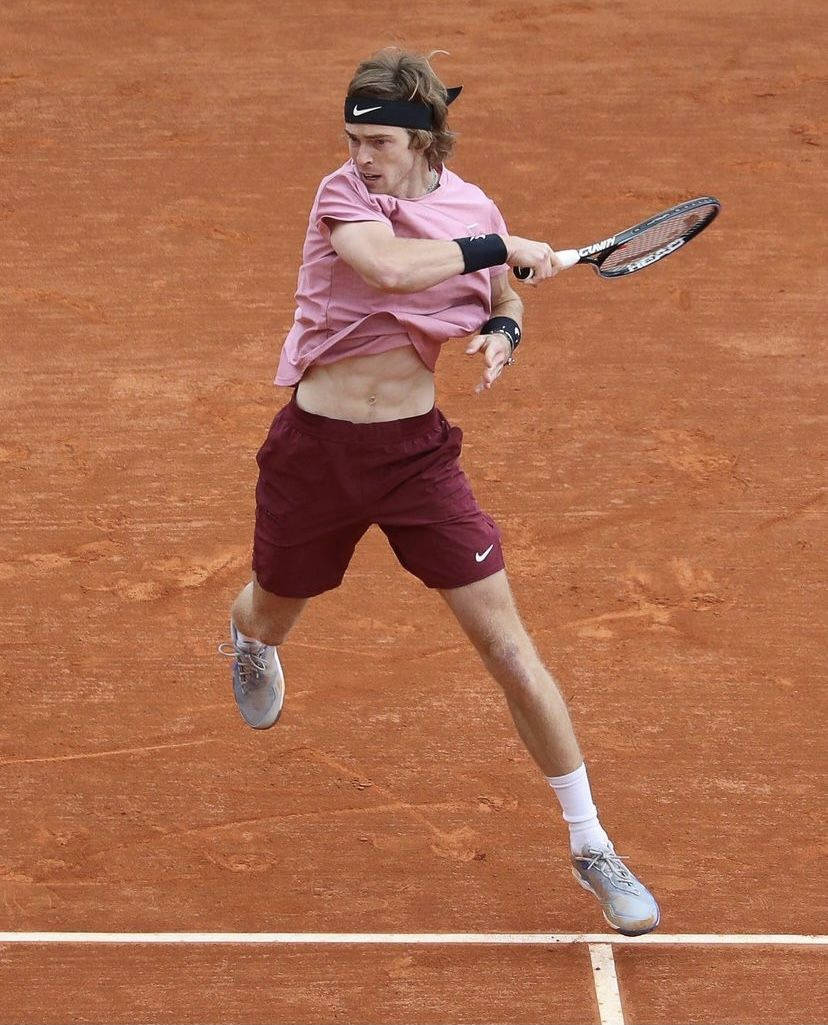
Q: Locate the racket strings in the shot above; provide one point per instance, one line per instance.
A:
(652, 239)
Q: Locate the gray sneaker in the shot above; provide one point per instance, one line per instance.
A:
(258, 682)
(628, 906)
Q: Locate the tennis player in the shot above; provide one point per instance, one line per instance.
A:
(400, 256)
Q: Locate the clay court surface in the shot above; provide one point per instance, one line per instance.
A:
(654, 461)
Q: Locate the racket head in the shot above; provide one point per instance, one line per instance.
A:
(650, 241)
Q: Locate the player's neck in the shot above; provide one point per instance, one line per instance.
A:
(421, 182)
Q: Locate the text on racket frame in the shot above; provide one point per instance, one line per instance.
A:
(597, 247)
(649, 258)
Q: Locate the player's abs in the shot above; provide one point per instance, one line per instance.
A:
(366, 389)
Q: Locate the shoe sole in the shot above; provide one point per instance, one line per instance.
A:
(624, 932)
(266, 724)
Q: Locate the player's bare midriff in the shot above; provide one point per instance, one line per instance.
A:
(367, 389)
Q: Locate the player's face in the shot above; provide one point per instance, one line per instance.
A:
(385, 160)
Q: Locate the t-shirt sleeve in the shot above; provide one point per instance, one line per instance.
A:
(339, 199)
(498, 227)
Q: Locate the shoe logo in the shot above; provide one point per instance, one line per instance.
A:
(365, 110)
(480, 556)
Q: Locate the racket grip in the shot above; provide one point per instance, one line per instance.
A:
(565, 257)
(568, 257)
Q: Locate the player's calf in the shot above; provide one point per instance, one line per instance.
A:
(268, 617)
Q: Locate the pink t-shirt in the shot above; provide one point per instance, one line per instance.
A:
(338, 314)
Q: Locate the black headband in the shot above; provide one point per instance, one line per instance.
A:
(374, 110)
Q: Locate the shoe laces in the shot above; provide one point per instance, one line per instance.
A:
(252, 664)
(611, 865)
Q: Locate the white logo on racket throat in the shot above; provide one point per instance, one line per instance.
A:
(597, 247)
(481, 556)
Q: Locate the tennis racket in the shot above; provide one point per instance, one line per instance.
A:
(643, 244)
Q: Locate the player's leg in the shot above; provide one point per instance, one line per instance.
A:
(439, 533)
(261, 618)
(259, 621)
(487, 613)
(266, 617)
(303, 540)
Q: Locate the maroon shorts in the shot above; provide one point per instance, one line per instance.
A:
(323, 483)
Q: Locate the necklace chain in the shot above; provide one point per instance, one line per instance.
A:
(435, 181)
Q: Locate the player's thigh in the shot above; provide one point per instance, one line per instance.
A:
(487, 613)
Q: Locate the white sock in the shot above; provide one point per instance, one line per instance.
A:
(579, 813)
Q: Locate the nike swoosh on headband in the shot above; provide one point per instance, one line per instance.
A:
(404, 113)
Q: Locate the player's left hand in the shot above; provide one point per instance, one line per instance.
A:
(496, 353)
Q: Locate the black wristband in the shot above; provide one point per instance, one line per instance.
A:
(482, 251)
(507, 326)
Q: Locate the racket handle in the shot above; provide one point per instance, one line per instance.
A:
(568, 257)
(565, 257)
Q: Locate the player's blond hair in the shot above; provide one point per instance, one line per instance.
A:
(395, 74)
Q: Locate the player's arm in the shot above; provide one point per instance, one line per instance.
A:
(393, 264)
(505, 300)
(496, 346)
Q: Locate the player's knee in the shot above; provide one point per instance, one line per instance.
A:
(510, 661)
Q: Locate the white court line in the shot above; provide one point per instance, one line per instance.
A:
(600, 946)
(403, 938)
(605, 980)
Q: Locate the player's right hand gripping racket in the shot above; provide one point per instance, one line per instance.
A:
(643, 244)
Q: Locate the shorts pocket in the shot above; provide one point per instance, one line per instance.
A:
(295, 472)
(440, 466)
